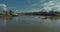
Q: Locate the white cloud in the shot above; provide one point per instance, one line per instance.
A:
(53, 5)
(23, 11)
(3, 6)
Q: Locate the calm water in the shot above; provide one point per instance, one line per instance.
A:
(29, 24)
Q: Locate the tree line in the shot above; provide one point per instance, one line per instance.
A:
(42, 13)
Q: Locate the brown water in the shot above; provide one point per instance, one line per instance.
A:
(29, 24)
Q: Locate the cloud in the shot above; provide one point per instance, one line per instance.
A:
(39, 3)
(51, 5)
(36, 7)
(3, 6)
(27, 10)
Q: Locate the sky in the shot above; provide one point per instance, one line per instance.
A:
(31, 5)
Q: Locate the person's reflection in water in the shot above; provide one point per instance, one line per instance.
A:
(5, 20)
(9, 18)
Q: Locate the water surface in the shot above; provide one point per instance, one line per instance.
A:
(29, 24)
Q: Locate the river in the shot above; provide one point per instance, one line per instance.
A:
(29, 24)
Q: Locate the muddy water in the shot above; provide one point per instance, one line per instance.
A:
(29, 24)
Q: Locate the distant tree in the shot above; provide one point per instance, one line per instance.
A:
(51, 12)
(57, 12)
(11, 12)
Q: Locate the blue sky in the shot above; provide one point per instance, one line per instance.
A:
(29, 5)
(22, 5)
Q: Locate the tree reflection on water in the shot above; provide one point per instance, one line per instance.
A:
(6, 19)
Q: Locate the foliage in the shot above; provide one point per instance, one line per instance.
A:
(11, 12)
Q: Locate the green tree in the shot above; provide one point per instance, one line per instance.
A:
(11, 12)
